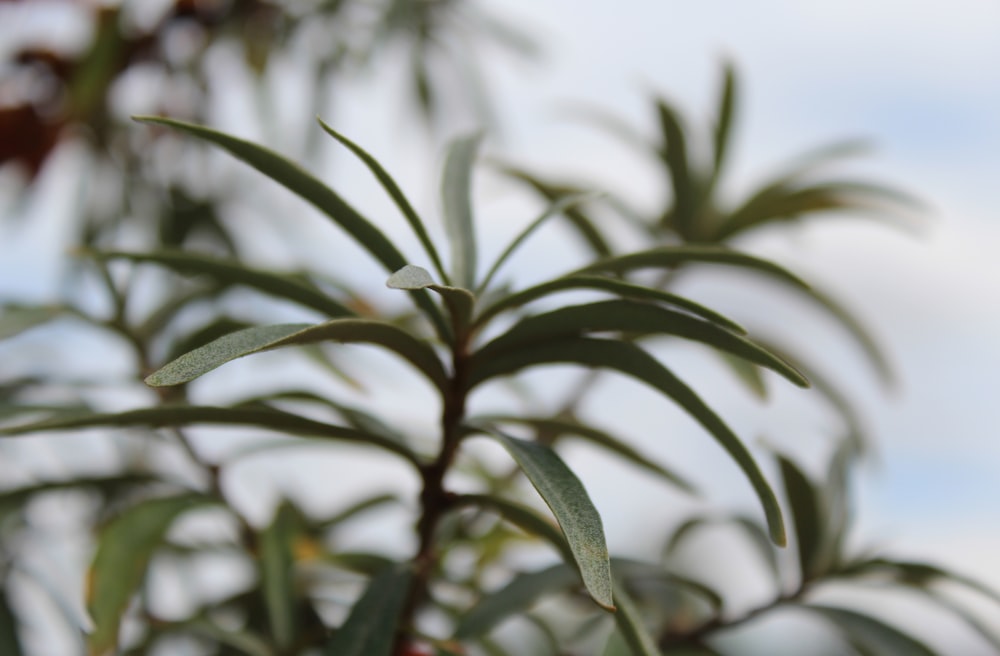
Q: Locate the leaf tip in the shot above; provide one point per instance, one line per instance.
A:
(410, 277)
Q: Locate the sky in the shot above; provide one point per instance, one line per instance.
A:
(921, 81)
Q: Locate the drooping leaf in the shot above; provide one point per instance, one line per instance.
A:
(262, 338)
(808, 517)
(754, 532)
(124, 550)
(304, 185)
(516, 597)
(262, 418)
(594, 436)
(669, 257)
(391, 188)
(108, 486)
(231, 272)
(612, 285)
(566, 497)
(460, 301)
(634, 317)
(370, 629)
(277, 574)
(631, 360)
(630, 624)
(355, 509)
(554, 209)
(871, 635)
(456, 192)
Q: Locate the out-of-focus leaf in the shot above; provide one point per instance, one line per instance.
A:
(304, 185)
(244, 641)
(630, 625)
(109, 486)
(750, 374)
(669, 257)
(870, 635)
(524, 517)
(642, 573)
(724, 122)
(284, 286)
(10, 640)
(754, 532)
(262, 418)
(566, 497)
(919, 574)
(262, 338)
(124, 550)
(460, 301)
(807, 516)
(633, 317)
(554, 209)
(613, 285)
(391, 188)
(370, 629)
(594, 436)
(683, 214)
(277, 567)
(631, 360)
(16, 319)
(456, 192)
(516, 597)
(360, 562)
(355, 509)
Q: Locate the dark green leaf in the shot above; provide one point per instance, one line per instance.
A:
(633, 361)
(683, 214)
(566, 497)
(456, 192)
(613, 285)
(232, 272)
(10, 640)
(261, 338)
(304, 185)
(594, 436)
(807, 516)
(370, 629)
(750, 374)
(396, 194)
(277, 566)
(124, 550)
(633, 317)
(871, 635)
(724, 121)
(630, 625)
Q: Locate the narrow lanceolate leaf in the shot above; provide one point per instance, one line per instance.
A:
(869, 635)
(554, 209)
(753, 531)
(277, 568)
(15, 320)
(456, 194)
(262, 338)
(231, 272)
(633, 317)
(669, 257)
(518, 596)
(611, 285)
(524, 517)
(460, 301)
(391, 188)
(724, 121)
(594, 436)
(10, 640)
(630, 625)
(631, 360)
(262, 418)
(124, 550)
(370, 629)
(566, 497)
(298, 181)
(808, 518)
(674, 154)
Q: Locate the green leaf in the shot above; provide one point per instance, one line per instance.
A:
(460, 301)
(277, 566)
(669, 257)
(683, 213)
(370, 629)
(633, 317)
(355, 509)
(232, 272)
(601, 438)
(516, 597)
(630, 625)
(10, 640)
(566, 497)
(244, 641)
(124, 550)
(456, 191)
(870, 635)
(554, 209)
(522, 516)
(261, 418)
(391, 188)
(631, 360)
(751, 375)
(724, 122)
(807, 516)
(110, 487)
(613, 285)
(16, 319)
(754, 532)
(298, 181)
(262, 338)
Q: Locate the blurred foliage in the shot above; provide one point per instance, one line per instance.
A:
(303, 588)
